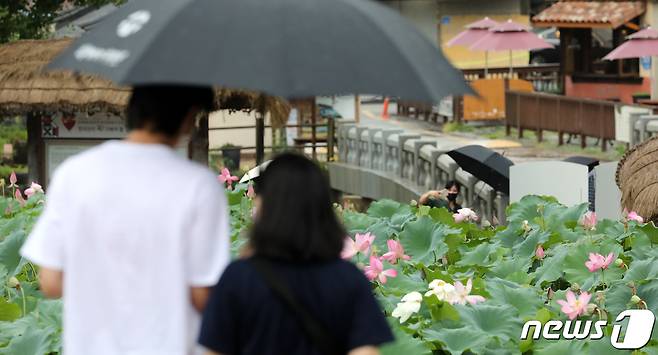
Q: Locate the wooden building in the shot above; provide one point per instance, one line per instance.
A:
(588, 30)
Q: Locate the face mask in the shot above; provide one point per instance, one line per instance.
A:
(452, 197)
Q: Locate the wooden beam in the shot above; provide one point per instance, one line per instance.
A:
(198, 145)
(36, 164)
(572, 25)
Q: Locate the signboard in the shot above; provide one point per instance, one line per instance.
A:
(101, 125)
(58, 151)
(607, 198)
(565, 181)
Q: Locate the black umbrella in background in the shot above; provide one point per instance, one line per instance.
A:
(484, 164)
(591, 163)
(288, 48)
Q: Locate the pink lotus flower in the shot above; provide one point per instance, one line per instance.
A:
(13, 180)
(226, 178)
(19, 198)
(465, 215)
(461, 294)
(361, 244)
(539, 253)
(633, 216)
(395, 252)
(250, 191)
(598, 261)
(573, 307)
(376, 270)
(33, 189)
(589, 220)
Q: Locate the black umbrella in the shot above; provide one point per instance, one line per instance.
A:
(484, 164)
(590, 162)
(288, 48)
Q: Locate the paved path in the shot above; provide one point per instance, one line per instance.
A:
(371, 115)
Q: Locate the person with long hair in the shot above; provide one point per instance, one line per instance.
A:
(294, 294)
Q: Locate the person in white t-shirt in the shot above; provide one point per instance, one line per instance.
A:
(133, 235)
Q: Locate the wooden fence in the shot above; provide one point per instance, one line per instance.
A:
(575, 116)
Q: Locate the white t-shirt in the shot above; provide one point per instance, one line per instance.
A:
(133, 227)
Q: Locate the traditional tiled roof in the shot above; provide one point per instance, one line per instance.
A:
(608, 14)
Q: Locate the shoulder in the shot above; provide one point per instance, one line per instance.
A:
(237, 269)
(346, 273)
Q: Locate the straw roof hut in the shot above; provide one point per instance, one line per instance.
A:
(25, 88)
(637, 178)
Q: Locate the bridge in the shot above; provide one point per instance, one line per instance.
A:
(378, 163)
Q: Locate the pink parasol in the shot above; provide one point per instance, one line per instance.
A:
(473, 33)
(640, 44)
(510, 36)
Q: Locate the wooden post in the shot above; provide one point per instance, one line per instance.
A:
(260, 137)
(198, 145)
(313, 122)
(357, 108)
(560, 139)
(36, 165)
(330, 138)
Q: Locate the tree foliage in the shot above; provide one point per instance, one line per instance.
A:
(31, 19)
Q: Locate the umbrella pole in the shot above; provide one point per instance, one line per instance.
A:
(486, 64)
(511, 70)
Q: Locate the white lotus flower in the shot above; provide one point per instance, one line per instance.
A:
(442, 290)
(409, 305)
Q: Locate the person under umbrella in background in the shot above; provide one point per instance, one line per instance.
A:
(294, 295)
(133, 234)
(446, 198)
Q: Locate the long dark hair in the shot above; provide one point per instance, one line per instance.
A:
(296, 221)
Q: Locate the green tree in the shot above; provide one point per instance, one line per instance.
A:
(30, 19)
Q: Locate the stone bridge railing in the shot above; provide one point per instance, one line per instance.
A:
(391, 163)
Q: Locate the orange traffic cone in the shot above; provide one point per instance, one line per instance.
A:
(385, 111)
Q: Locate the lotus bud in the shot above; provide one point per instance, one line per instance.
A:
(600, 297)
(619, 263)
(591, 308)
(539, 252)
(413, 203)
(575, 287)
(13, 282)
(631, 284)
(635, 299)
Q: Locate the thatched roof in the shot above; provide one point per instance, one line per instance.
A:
(24, 87)
(637, 178)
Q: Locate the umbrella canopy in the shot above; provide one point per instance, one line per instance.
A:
(643, 43)
(484, 164)
(591, 163)
(473, 33)
(510, 36)
(287, 48)
(254, 172)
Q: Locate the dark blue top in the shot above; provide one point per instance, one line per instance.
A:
(244, 317)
